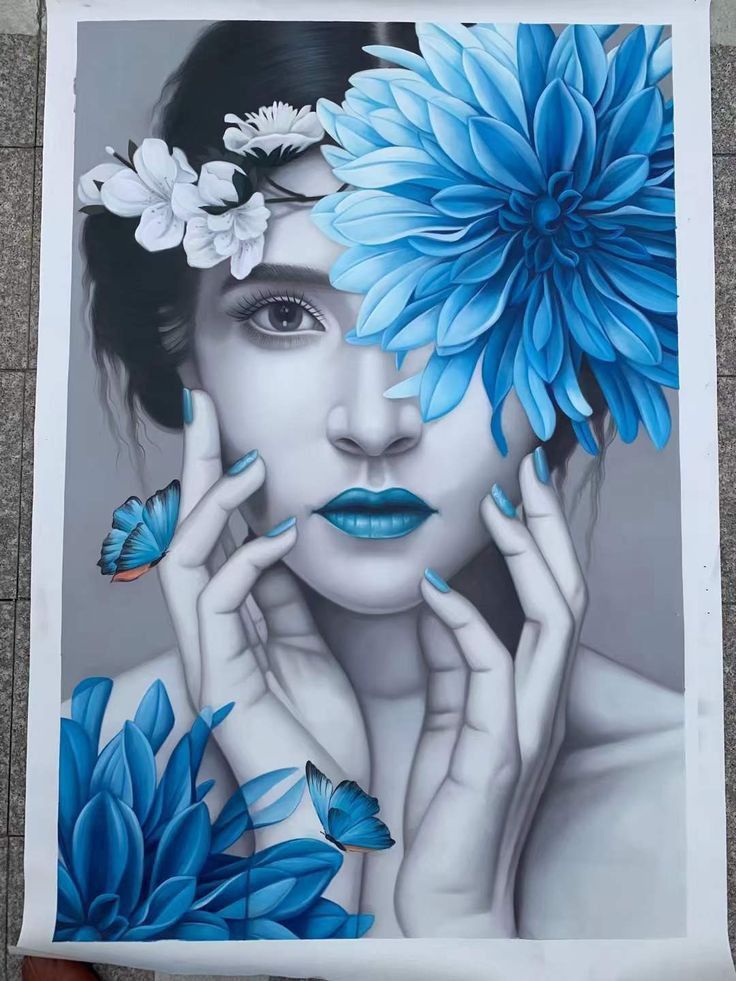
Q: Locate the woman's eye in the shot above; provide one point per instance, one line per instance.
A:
(284, 317)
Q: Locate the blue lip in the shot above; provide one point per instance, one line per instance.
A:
(362, 513)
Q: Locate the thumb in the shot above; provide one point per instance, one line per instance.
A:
(282, 605)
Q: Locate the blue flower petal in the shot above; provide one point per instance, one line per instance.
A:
(578, 58)
(621, 180)
(184, 845)
(635, 127)
(76, 762)
(468, 200)
(534, 397)
(155, 717)
(108, 851)
(534, 47)
(417, 325)
(652, 406)
(558, 129)
(167, 904)
(443, 54)
(618, 396)
(505, 156)
(390, 166)
(473, 309)
(405, 389)
(496, 88)
(627, 72)
(388, 297)
(198, 926)
(405, 59)
(103, 911)
(69, 905)
(89, 701)
(392, 125)
(445, 381)
(261, 929)
(651, 288)
(660, 63)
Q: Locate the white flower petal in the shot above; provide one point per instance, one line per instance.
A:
(225, 243)
(221, 223)
(310, 127)
(159, 228)
(250, 219)
(216, 182)
(247, 257)
(186, 174)
(156, 167)
(186, 201)
(235, 140)
(87, 190)
(198, 244)
(126, 195)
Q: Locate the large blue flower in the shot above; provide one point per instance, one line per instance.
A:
(141, 859)
(511, 198)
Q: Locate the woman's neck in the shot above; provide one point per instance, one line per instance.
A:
(381, 653)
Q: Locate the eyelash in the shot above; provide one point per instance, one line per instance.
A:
(247, 307)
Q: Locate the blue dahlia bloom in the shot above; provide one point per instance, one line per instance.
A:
(140, 857)
(511, 200)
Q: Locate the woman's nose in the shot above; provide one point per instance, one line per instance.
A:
(364, 422)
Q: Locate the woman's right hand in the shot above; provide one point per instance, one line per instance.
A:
(293, 701)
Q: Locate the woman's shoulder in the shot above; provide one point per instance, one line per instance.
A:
(610, 703)
(131, 685)
(606, 856)
(128, 689)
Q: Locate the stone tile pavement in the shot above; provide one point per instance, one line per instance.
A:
(21, 138)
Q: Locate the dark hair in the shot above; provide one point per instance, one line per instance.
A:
(141, 302)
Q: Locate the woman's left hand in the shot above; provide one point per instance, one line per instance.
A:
(493, 726)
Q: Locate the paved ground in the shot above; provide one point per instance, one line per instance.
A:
(21, 139)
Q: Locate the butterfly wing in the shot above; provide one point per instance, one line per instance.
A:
(124, 520)
(160, 514)
(367, 834)
(352, 821)
(320, 790)
(140, 548)
(128, 515)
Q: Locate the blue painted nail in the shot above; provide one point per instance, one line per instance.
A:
(243, 463)
(540, 465)
(186, 405)
(503, 504)
(435, 580)
(281, 527)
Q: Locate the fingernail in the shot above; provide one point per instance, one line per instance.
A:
(281, 527)
(540, 465)
(243, 463)
(186, 406)
(435, 580)
(503, 504)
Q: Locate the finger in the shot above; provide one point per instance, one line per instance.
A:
(547, 637)
(488, 732)
(225, 648)
(200, 531)
(304, 672)
(547, 523)
(202, 463)
(445, 704)
(485, 764)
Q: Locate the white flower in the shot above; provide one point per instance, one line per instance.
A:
(88, 190)
(157, 190)
(237, 234)
(278, 131)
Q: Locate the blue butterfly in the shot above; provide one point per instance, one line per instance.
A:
(141, 534)
(347, 814)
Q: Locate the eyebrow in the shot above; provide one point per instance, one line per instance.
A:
(268, 272)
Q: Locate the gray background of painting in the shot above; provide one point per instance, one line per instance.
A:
(22, 77)
(634, 574)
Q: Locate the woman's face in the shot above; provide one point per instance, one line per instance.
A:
(270, 351)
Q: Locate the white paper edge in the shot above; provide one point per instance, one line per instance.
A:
(704, 952)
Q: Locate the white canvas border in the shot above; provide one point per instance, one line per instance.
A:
(704, 952)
